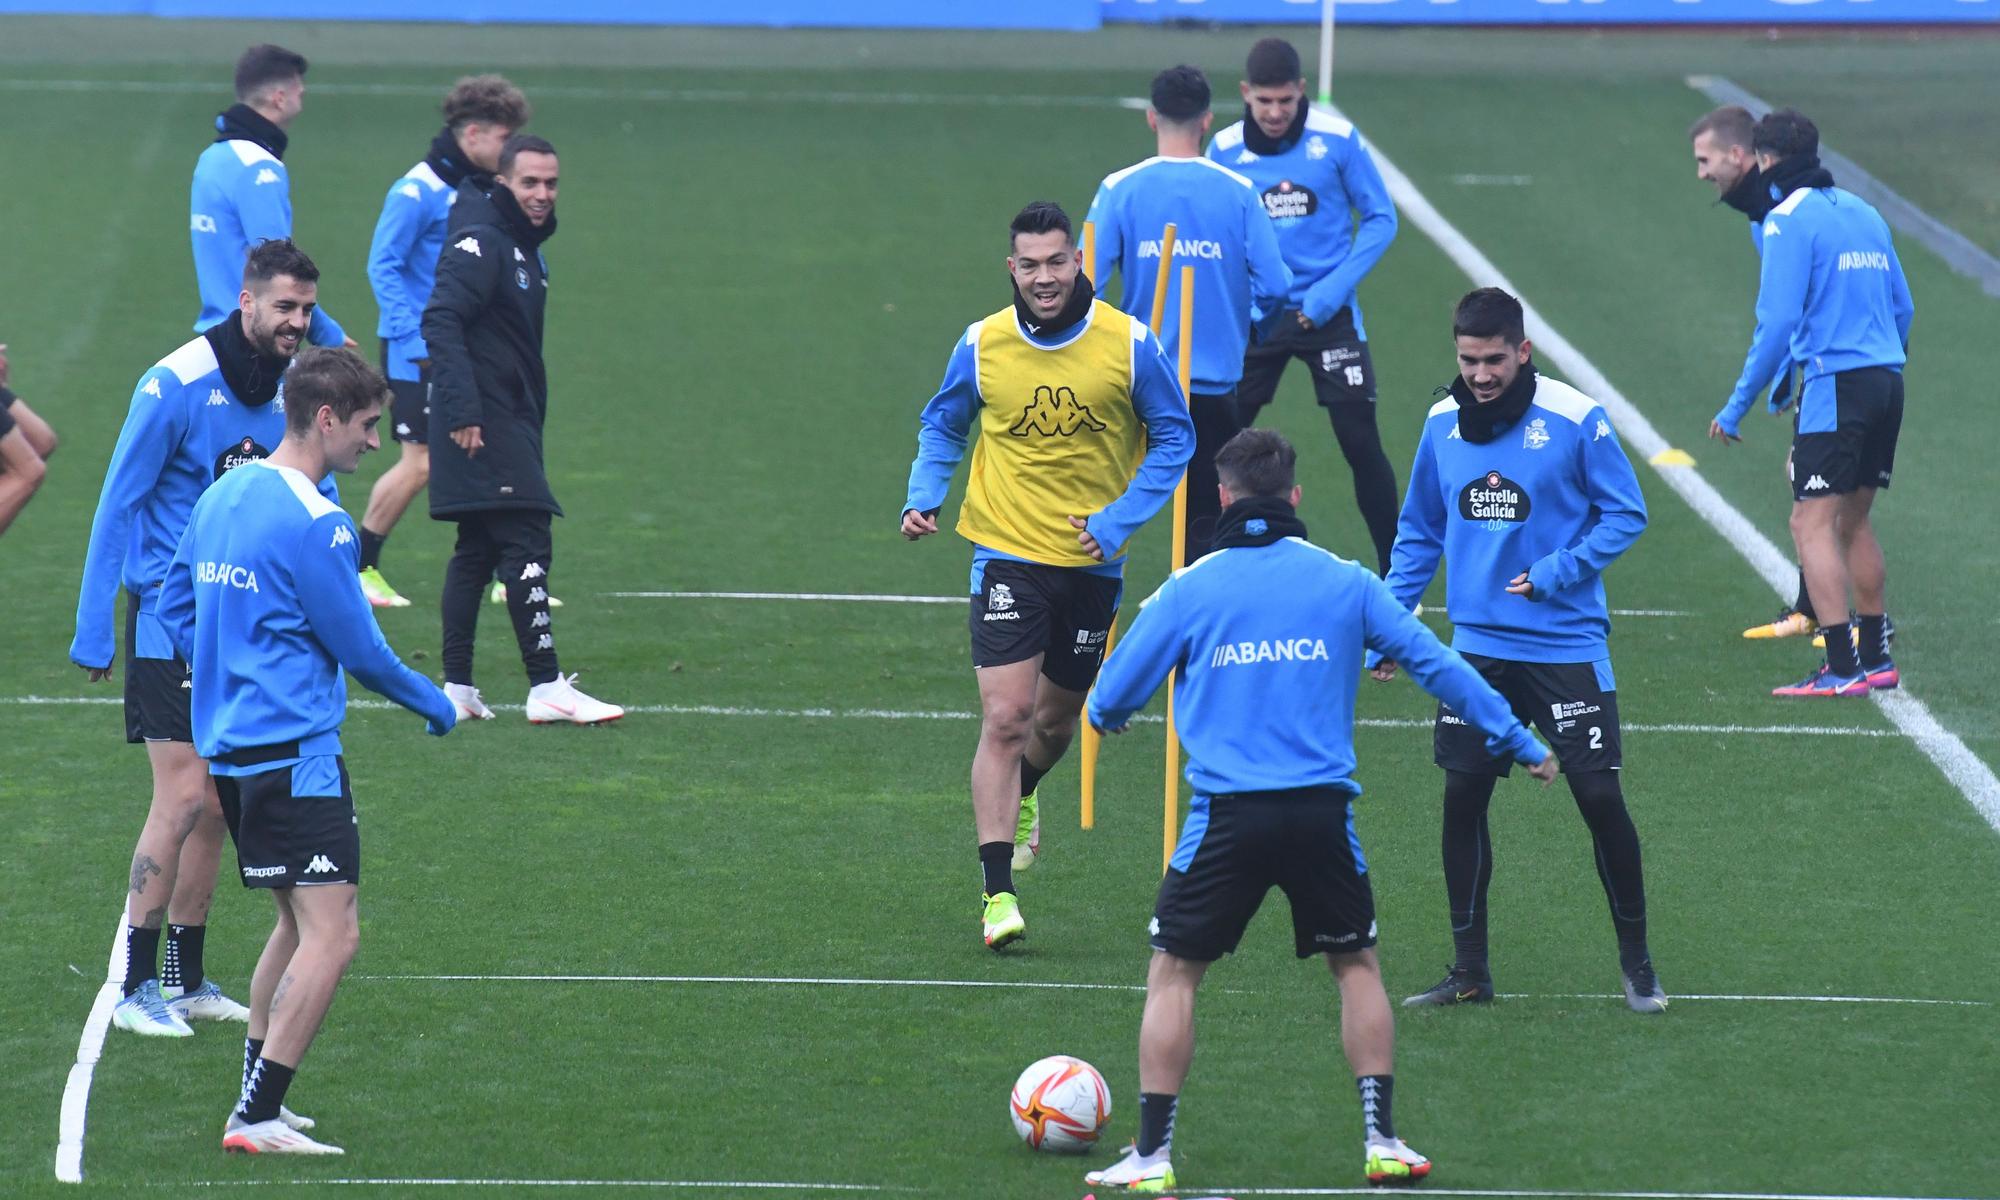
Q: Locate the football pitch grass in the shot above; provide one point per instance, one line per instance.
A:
(759, 890)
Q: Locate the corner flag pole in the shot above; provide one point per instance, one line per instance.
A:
(1172, 801)
(1087, 808)
(1326, 51)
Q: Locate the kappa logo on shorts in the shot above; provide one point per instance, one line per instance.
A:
(1817, 483)
(262, 872)
(1328, 939)
(1055, 412)
(320, 865)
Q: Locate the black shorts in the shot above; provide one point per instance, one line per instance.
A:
(409, 404)
(6, 415)
(1860, 451)
(1342, 370)
(159, 692)
(293, 826)
(1574, 706)
(1061, 613)
(1234, 849)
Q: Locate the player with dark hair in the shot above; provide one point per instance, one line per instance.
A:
(1334, 221)
(1267, 635)
(1521, 489)
(480, 113)
(264, 599)
(1221, 231)
(209, 407)
(26, 441)
(489, 392)
(1831, 296)
(241, 193)
(1083, 434)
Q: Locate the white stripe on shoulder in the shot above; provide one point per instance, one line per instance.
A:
(316, 505)
(1139, 329)
(972, 333)
(1212, 165)
(1563, 400)
(1785, 207)
(1448, 404)
(1345, 562)
(1229, 138)
(1117, 177)
(191, 361)
(1325, 122)
(250, 153)
(424, 171)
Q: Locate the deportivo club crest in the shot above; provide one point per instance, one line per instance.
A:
(1536, 435)
(1315, 147)
(1000, 599)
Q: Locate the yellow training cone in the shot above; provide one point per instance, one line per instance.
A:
(1672, 457)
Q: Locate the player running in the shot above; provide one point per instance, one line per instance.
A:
(263, 597)
(1521, 490)
(1267, 634)
(1084, 434)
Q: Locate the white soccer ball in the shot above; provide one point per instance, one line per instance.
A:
(1060, 1104)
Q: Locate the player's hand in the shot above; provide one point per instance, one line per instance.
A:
(98, 674)
(1546, 770)
(1084, 539)
(1716, 431)
(468, 440)
(1111, 732)
(348, 343)
(1384, 671)
(436, 730)
(1305, 322)
(919, 524)
(1519, 586)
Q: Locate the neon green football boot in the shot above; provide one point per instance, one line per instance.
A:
(378, 591)
(1028, 833)
(1002, 921)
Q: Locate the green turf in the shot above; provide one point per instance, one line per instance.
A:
(753, 294)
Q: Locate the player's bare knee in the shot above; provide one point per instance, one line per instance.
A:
(1354, 965)
(1006, 725)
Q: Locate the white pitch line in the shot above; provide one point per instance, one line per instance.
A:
(1752, 999)
(89, 1048)
(1578, 1193)
(1965, 770)
(886, 598)
(935, 714)
(702, 1184)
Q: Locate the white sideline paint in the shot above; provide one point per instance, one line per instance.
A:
(1539, 1193)
(1551, 1193)
(1965, 771)
(89, 1048)
(920, 714)
(878, 598)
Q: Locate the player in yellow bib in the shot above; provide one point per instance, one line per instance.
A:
(1083, 435)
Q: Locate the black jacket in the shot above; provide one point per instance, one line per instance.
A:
(483, 327)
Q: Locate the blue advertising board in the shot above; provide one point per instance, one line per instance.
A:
(824, 14)
(1563, 12)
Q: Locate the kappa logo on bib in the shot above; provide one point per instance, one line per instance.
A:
(1056, 412)
(1494, 500)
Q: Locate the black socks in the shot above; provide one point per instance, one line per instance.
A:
(265, 1093)
(1803, 604)
(1840, 649)
(1874, 648)
(1156, 1123)
(1031, 777)
(142, 956)
(183, 967)
(371, 548)
(1377, 1121)
(996, 859)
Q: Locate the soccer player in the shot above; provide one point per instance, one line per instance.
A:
(1334, 221)
(1831, 295)
(1521, 489)
(1723, 158)
(263, 597)
(1267, 634)
(1083, 434)
(26, 441)
(202, 411)
(489, 391)
(1221, 231)
(241, 193)
(480, 113)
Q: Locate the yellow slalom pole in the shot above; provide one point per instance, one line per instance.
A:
(1172, 802)
(1089, 268)
(1087, 771)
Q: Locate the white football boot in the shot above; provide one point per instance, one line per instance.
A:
(206, 1003)
(290, 1118)
(559, 700)
(470, 706)
(272, 1137)
(146, 1012)
(1135, 1173)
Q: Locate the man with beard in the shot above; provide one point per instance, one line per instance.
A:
(1521, 488)
(241, 193)
(1084, 433)
(480, 113)
(1831, 297)
(263, 598)
(489, 392)
(1334, 221)
(207, 408)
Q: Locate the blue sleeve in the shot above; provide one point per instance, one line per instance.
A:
(1392, 632)
(1413, 560)
(1613, 489)
(1781, 300)
(1157, 398)
(1899, 297)
(327, 572)
(154, 426)
(175, 607)
(396, 232)
(1370, 199)
(265, 210)
(1270, 278)
(1139, 663)
(944, 427)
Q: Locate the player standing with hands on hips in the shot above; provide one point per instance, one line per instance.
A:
(1267, 634)
(264, 600)
(489, 393)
